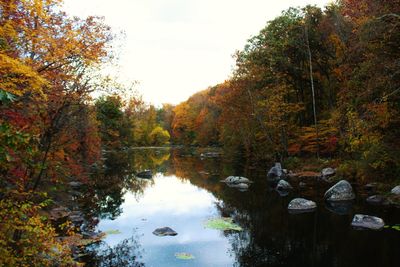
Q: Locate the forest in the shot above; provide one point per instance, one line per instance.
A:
(314, 83)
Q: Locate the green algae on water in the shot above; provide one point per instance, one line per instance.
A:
(184, 256)
(222, 224)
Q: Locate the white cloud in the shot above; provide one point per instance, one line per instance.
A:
(177, 47)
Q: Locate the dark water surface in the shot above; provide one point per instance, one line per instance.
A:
(186, 191)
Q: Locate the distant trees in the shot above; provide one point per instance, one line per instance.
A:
(128, 123)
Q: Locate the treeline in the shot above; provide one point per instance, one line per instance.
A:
(312, 82)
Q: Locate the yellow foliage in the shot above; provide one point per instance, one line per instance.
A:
(17, 78)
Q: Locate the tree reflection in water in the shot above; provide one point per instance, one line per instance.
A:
(127, 253)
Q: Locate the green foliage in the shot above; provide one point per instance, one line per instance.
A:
(26, 237)
(159, 136)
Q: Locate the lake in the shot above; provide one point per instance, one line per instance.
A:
(186, 191)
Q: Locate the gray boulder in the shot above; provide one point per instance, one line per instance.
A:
(236, 180)
(327, 172)
(276, 171)
(396, 190)
(341, 191)
(367, 222)
(283, 186)
(300, 205)
(164, 231)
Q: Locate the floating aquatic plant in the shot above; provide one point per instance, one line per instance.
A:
(394, 227)
(112, 232)
(222, 224)
(184, 256)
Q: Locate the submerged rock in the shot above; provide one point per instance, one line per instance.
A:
(341, 191)
(147, 174)
(164, 231)
(275, 172)
(327, 172)
(396, 190)
(376, 199)
(367, 222)
(283, 186)
(300, 205)
(236, 180)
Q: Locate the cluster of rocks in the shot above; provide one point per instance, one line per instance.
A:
(392, 198)
(338, 198)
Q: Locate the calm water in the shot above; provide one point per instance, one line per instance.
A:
(186, 191)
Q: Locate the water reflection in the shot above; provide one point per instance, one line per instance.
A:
(125, 253)
(186, 190)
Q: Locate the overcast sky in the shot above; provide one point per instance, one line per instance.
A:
(175, 48)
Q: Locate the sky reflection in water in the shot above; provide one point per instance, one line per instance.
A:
(183, 207)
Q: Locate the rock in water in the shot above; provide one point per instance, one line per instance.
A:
(236, 180)
(376, 199)
(300, 205)
(341, 191)
(327, 172)
(396, 190)
(367, 222)
(164, 231)
(145, 174)
(302, 184)
(283, 186)
(276, 171)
